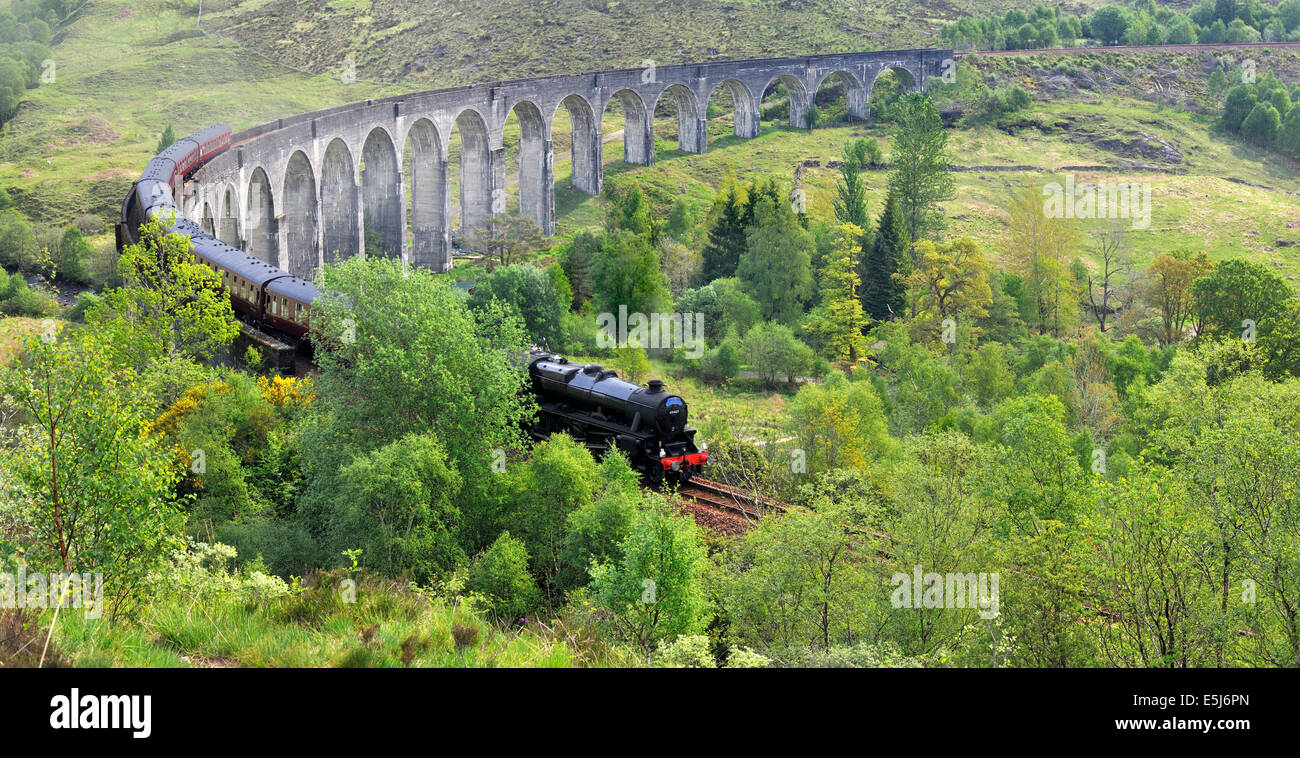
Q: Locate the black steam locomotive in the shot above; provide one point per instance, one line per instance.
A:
(601, 411)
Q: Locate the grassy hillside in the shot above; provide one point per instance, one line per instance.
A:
(124, 74)
(462, 42)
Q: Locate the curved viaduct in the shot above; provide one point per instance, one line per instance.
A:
(306, 190)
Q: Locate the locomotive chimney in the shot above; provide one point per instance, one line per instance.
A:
(656, 385)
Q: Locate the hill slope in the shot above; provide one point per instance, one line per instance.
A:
(468, 41)
(124, 74)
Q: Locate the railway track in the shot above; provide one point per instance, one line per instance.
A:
(724, 509)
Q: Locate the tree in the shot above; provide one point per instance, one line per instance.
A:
(772, 350)
(681, 221)
(399, 352)
(1289, 138)
(883, 294)
(920, 176)
(93, 483)
(398, 504)
(1237, 106)
(939, 515)
(579, 264)
(1182, 32)
(1235, 291)
(627, 273)
(1225, 10)
(839, 321)
(168, 306)
(508, 237)
(68, 257)
(500, 575)
(987, 374)
(655, 592)
(776, 267)
(1239, 33)
(1169, 289)
(1108, 24)
(951, 279)
(631, 212)
(797, 581)
(839, 424)
(1262, 125)
(1038, 476)
(850, 201)
(1280, 347)
(1041, 247)
(1112, 248)
(593, 534)
(18, 247)
(531, 293)
(1144, 538)
(679, 263)
(726, 237)
(559, 479)
(1043, 600)
(166, 139)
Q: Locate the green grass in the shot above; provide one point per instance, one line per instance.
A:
(388, 626)
(15, 331)
(123, 73)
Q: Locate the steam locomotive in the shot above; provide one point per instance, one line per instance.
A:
(603, 412)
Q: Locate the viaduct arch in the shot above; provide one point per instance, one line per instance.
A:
(314, 188)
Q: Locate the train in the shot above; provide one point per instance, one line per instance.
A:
(590, 403)
(262, 295)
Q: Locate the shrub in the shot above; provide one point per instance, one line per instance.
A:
(89, 223)
(25, 301)
(500, 576)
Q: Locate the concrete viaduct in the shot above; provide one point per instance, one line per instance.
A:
(306, 190)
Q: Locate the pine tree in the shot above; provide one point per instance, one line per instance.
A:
(726, 241)
(578, 263)
(850, 193)
(757, 191)
(166, 140)
(883, 296)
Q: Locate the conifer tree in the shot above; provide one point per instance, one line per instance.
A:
(883, 295)
(726, 241)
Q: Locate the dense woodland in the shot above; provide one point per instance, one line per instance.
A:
(1140, 22)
